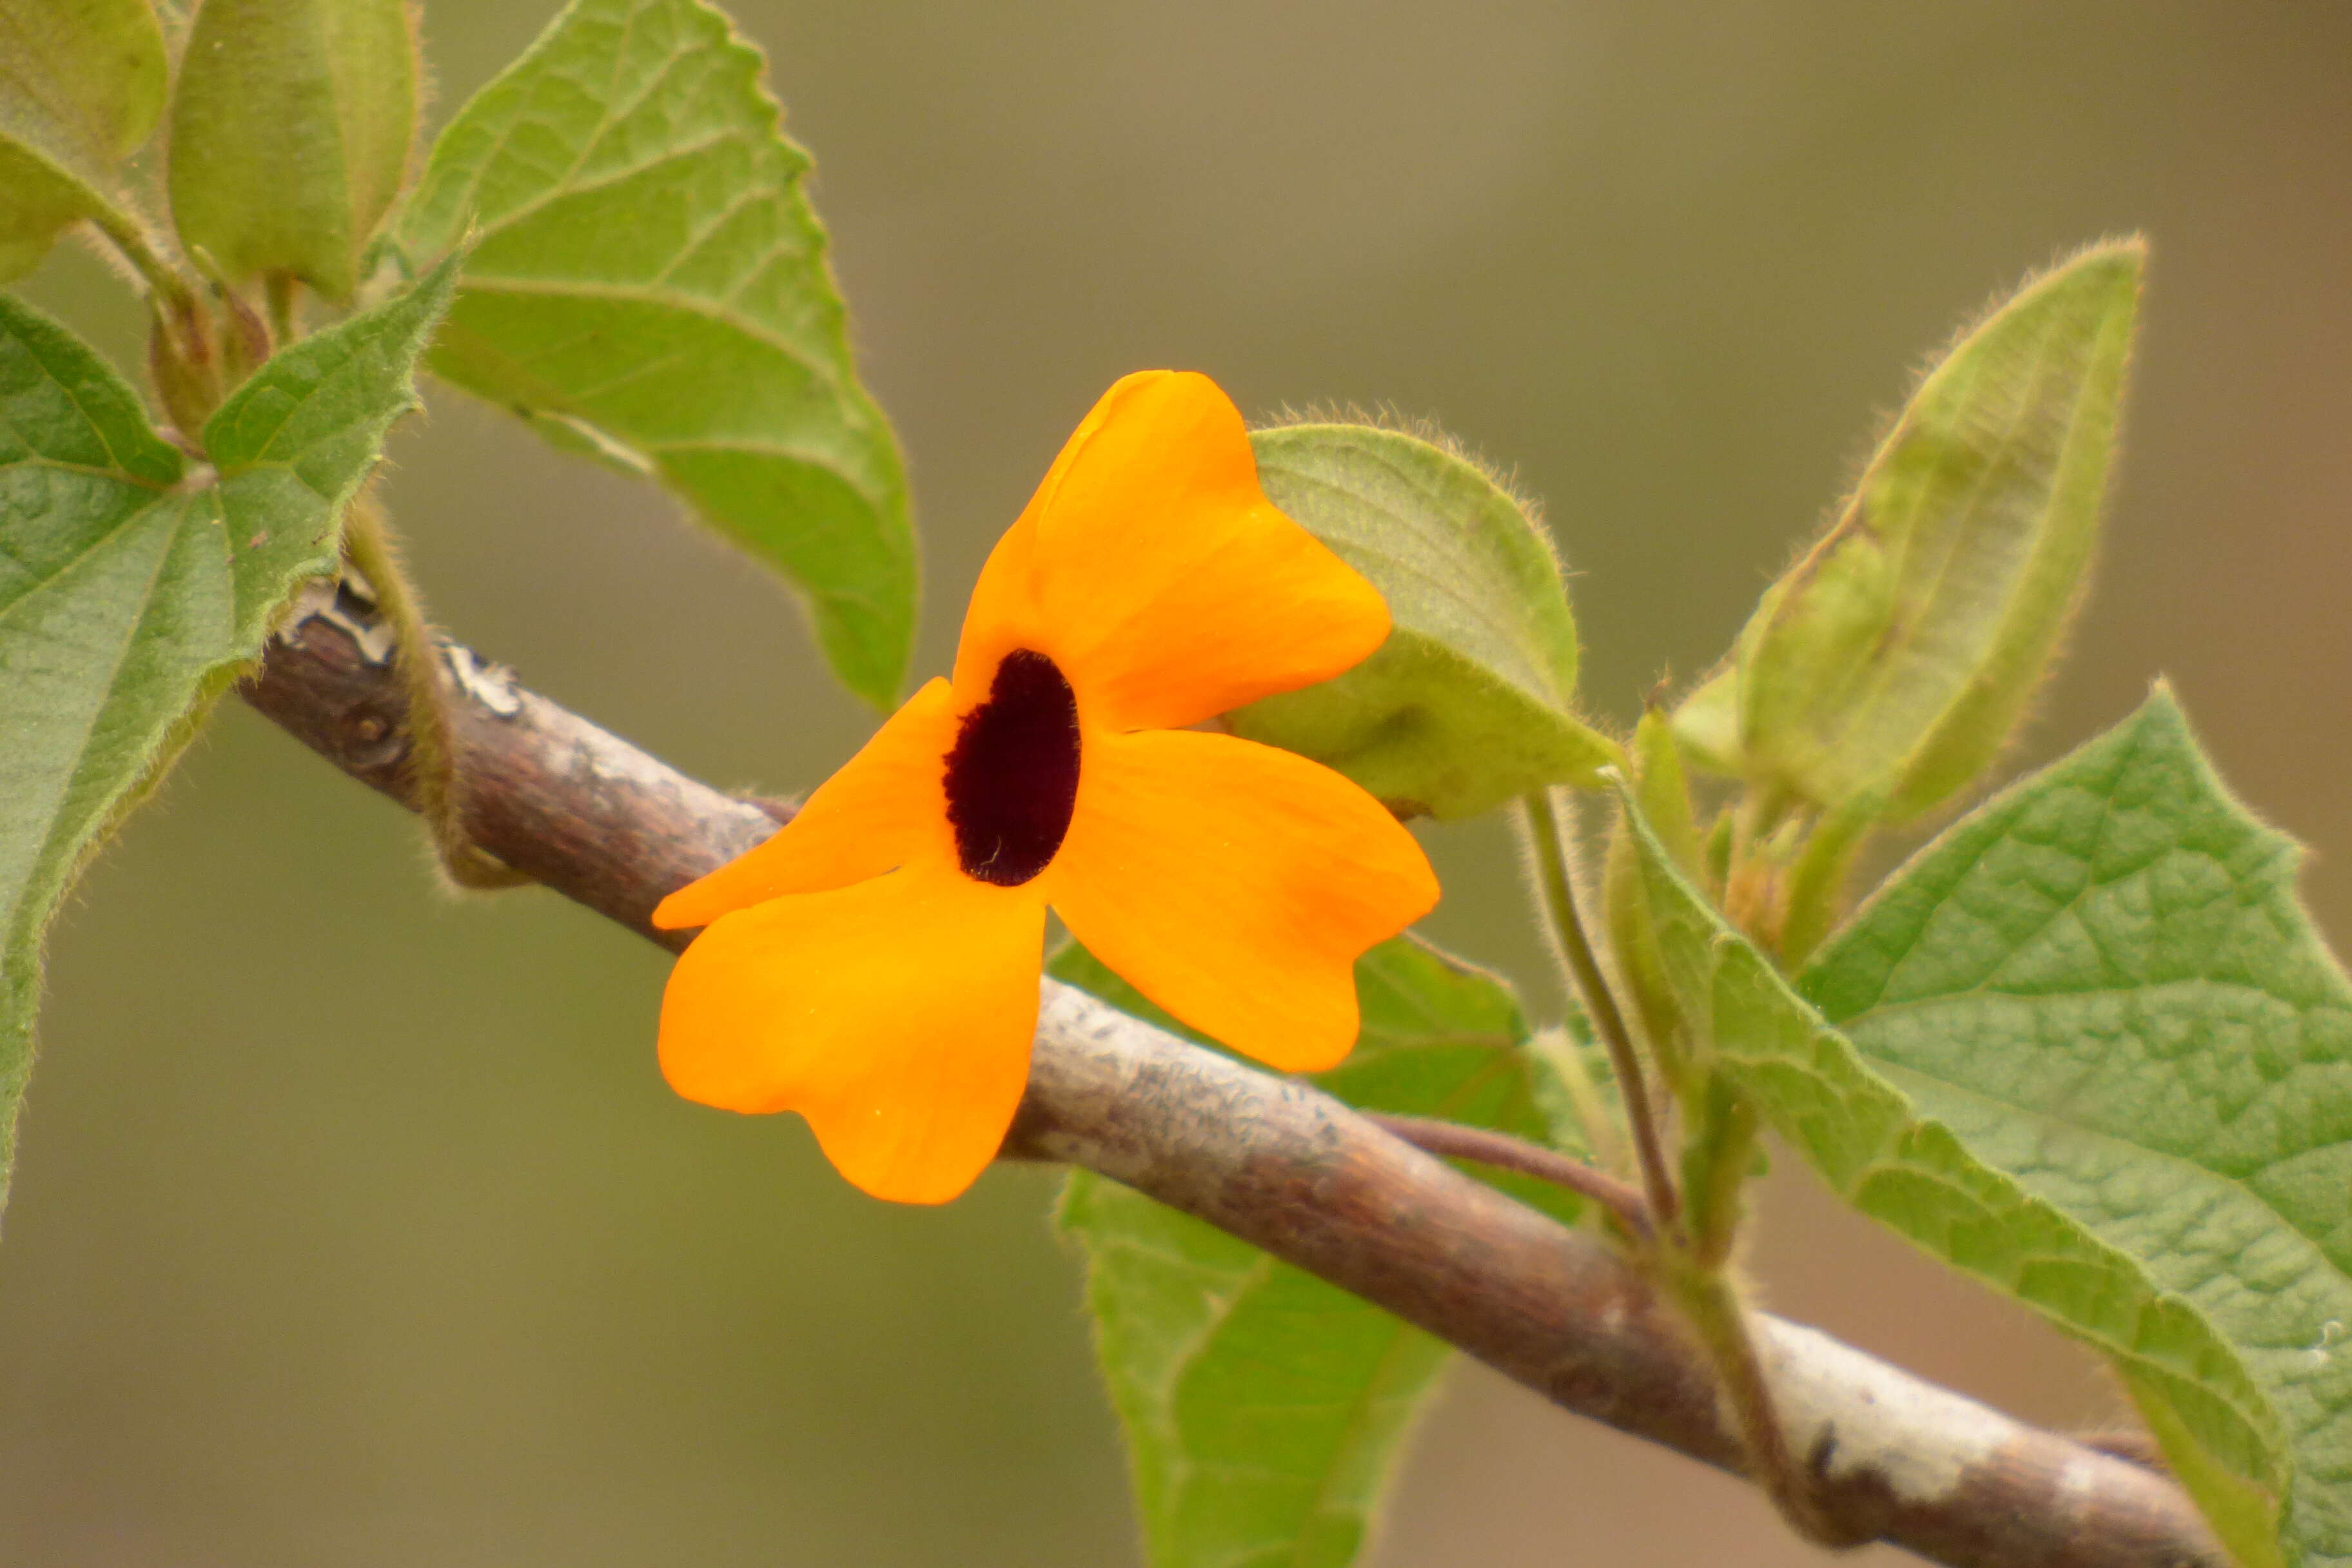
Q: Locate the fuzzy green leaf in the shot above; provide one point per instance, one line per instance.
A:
(81, 85)
(2103, 983)
(293, 444)
(651, 283)
(132, 587)
(1902, 1156)
(1901, 652)
(1467, 703)
(291, 126)
(1263, 1409)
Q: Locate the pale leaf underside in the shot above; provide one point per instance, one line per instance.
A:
(650, 283)
(1468, 702)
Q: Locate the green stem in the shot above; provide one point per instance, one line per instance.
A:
(1817, 881)
(278, 292)
(1713, 1307)
(1599, 1003)
(128, 235)
(1718, 1154)
(431, 759)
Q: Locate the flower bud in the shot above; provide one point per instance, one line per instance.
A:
(290, 134)
(1898, 657)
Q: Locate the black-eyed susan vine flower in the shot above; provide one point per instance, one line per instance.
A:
(875, 966)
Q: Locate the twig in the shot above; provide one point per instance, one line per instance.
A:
(1287, 1168)
(1452, 1141)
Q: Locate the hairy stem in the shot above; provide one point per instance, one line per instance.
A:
(1559, 895)
(1712, 1305)
(1816, 888)
(277, 295)
(131, 242)
(368, 542)
(1718, 1155)
(1690, 1258)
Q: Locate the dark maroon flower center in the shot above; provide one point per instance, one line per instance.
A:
(1012, 776)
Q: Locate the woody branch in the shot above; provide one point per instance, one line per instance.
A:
(1275, 1162)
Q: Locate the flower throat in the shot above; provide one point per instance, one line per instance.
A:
(1013, 775)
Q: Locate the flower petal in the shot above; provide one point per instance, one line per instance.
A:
(886, 807)
(895, 1014)
(1235, 885)
(1169, 587)
(1002, 615)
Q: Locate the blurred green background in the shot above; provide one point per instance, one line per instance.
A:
(353, 1224)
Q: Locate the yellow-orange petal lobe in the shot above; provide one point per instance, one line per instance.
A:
(886, 807)
(895, 1014)
(1235, 885)
(1002, 617)
(1166, 585)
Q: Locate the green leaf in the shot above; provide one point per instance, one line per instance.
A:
(1263, 1409)
(133, 584)
(1901, 652)
(2103, 983)
(1466, 704)
(296, 441)
(651, 283)
(81, 85)
(1919, 1164)
(291, 126)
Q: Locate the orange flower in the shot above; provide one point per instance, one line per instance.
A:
(875, 964)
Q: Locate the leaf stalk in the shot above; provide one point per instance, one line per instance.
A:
(1711, 1304)
(1557, 895)
(1452, 1141)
